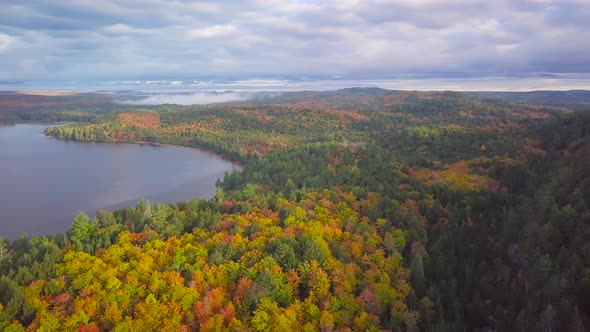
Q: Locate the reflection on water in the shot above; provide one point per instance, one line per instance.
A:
(45, 181)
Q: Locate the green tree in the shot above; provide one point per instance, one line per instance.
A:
(80, 230)
(5, 252)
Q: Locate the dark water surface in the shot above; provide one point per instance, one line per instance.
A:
(45, 181)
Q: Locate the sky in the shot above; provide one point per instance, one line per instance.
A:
(287, 45)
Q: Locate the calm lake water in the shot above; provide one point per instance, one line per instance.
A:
(45, 181)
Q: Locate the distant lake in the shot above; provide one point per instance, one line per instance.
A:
(45, 181)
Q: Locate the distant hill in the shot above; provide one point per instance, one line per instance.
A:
(50, 106)
(573, 99)
(577, 99)
(26, 106)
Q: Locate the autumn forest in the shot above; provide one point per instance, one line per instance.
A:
(355, 210)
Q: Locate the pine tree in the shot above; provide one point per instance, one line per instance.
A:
(418, 278)
(80, 229)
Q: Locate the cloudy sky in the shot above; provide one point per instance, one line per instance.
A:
(177, 42)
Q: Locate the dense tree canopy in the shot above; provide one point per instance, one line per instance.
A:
(355, 210)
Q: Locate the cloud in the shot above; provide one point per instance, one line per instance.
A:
(156, 40)
(5, 41)
(199, 98)
(123, 29)
(212, 31)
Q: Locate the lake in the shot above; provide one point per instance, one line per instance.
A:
(45, 181)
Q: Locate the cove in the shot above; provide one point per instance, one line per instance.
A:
(45, 181)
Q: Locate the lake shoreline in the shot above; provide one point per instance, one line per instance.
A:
(60, 178)
(234, 161)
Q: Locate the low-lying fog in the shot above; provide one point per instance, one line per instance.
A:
(197, 98)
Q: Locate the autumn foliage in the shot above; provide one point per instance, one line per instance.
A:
(139, 119)
(285, 276)
(354, 210)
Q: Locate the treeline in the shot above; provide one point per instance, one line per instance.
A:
(18, 107)
(421, 126)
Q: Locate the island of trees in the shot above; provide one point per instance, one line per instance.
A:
(355, 210)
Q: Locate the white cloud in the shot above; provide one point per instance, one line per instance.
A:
(212, 31)
(5, 42)
(122, 29)
(118, 28)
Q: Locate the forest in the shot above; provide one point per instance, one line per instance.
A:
(355, 210)
(46, 107)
